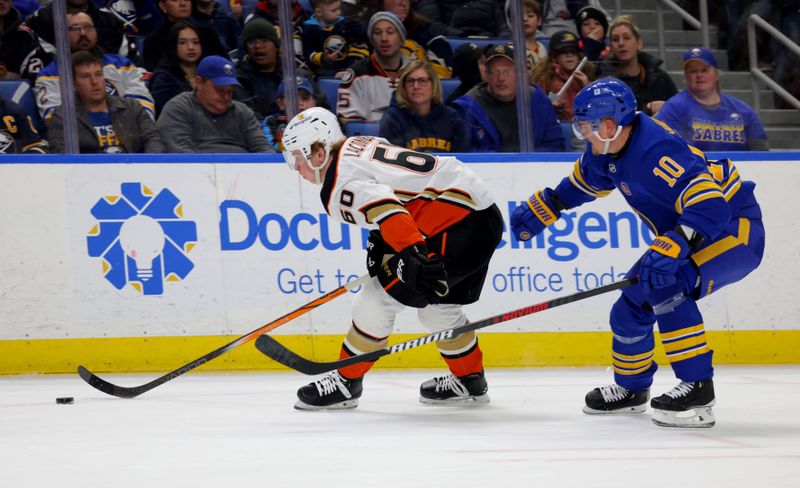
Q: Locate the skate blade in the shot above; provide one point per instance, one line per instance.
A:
(345, 405)
(455, 400)
(695, 418)
(637, 409)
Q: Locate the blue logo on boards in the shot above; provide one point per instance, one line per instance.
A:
(142, 239)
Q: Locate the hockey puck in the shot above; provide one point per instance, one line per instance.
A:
(65, 400)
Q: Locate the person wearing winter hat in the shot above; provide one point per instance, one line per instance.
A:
(367, 87)
(707, 119)
(259, 70)
(592, 25)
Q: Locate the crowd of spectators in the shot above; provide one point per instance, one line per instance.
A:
(206, 75)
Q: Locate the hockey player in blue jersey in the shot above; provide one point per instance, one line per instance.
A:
(709, 234)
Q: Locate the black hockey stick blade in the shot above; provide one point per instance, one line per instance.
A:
(281, 354)
(134, 391)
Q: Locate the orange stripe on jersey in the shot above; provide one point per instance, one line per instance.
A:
(433, 217)
(400, 231)
(391, 284)
(444, 244)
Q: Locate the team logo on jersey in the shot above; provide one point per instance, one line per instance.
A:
(336, 47)
(346, 76)
(612, 168)
(141, 238)
(625, 188)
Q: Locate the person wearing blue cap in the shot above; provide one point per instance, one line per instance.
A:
(708, 119)
(307, 97)
(208, 119)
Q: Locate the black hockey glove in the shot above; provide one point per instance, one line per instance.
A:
(376, 250)
(421, 270)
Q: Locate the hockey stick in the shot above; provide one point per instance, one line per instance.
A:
(131, 392)
(275, 350)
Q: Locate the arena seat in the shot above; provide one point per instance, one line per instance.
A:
(355, 128)
(449, 85)
(329, 86)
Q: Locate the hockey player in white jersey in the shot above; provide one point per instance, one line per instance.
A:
(434, 227)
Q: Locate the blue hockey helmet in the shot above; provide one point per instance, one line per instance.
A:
(606, 97)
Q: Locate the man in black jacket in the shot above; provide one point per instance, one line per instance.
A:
(20, 53)
(109, 28)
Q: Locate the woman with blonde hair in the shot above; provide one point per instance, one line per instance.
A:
(417, 119)
(638, 69)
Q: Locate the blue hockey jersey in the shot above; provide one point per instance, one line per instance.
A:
(665, 180)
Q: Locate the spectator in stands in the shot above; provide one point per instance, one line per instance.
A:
(122, 77)
(106, 123)
(177, 11)
(178, 67)
(465, 68)
(638, 69)
(307, 96)
(417, 118)
(211, 15)
(108, 29)
(367, 87)
(470, 18)
(707, 119)
(495, 100)
(531, 22)
(260, 70)
(424, 40)
(17, 132)
(332, 43)
(561, 62)
(560, 15)
(592, 26)
(20, 53)
(208, 119)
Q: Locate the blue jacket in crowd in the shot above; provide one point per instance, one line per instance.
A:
(547, 134)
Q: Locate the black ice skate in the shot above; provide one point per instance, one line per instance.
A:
(686, 405)
(615, 399)
(453, 389)
(332, 392)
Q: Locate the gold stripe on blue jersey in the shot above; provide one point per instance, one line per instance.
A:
(634, 357)
(681, 333)
(675, 357)
(708, 253)
(577, 179)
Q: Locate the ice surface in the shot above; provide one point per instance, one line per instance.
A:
(240, 430)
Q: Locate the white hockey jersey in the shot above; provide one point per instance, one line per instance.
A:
(123, 78)
(407, 194)
(366, 90)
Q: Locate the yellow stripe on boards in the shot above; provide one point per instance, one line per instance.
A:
(159, 355)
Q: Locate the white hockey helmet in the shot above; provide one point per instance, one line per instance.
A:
(309, 126)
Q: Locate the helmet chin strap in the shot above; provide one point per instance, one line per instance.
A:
(318, 169)
(607, 142)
